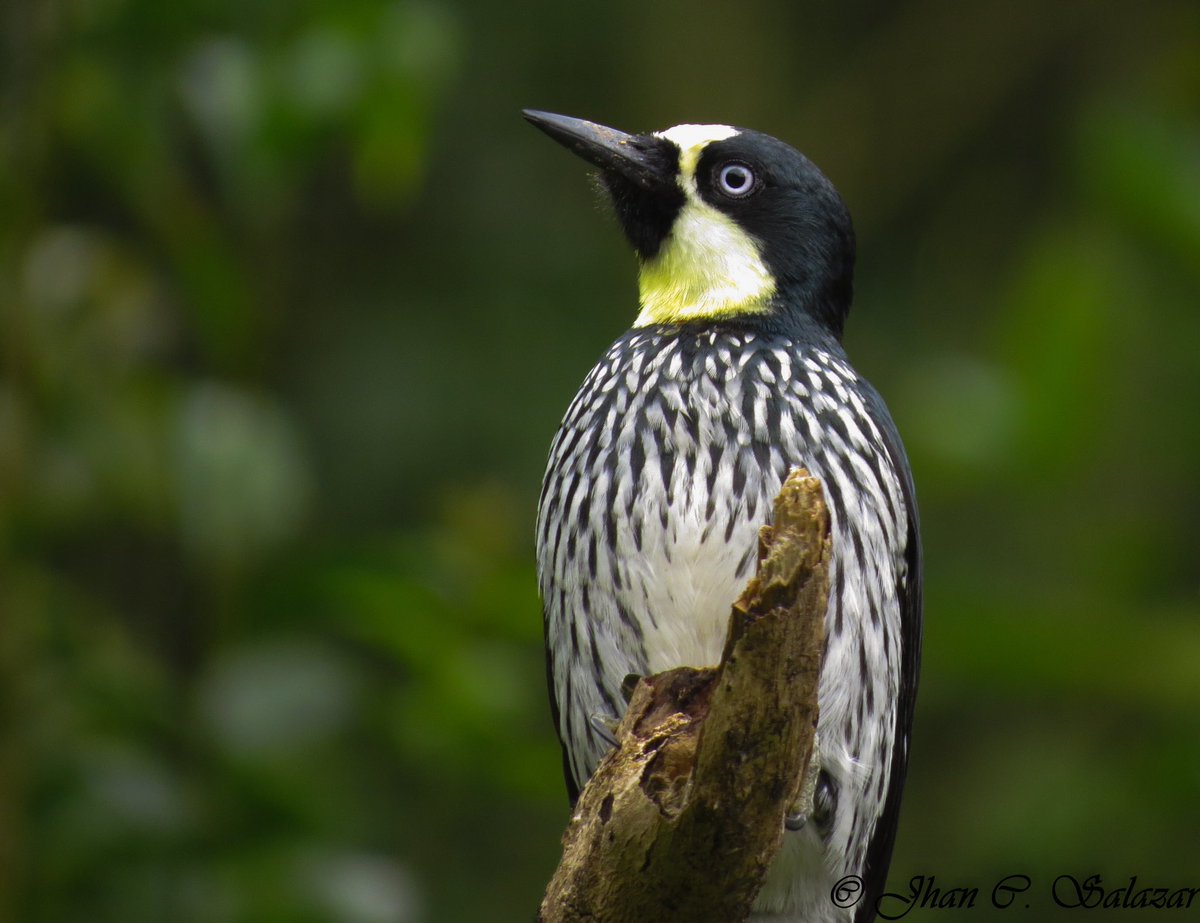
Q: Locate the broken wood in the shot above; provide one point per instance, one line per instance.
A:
(682, 820)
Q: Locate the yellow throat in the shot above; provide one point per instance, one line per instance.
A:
(707, 267)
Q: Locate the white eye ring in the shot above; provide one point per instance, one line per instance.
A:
(736, 180)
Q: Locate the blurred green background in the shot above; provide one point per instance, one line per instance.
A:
(292, 301)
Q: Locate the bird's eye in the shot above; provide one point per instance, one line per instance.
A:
(735, 179)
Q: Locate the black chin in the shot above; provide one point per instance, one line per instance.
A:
(646, 216)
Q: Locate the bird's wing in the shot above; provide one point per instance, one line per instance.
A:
(879, 852)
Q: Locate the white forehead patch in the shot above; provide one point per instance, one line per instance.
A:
(691, 140)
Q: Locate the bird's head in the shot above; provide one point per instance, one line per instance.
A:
(728, 224)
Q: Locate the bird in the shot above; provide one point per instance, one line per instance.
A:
(668, 459)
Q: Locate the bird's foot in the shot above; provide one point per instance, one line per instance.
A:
(605, 724)
(805, 804)
(820, 810)
(606, 727)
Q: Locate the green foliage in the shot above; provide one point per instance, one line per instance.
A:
(291, 301)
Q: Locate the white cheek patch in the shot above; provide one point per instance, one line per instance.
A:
(708, 266)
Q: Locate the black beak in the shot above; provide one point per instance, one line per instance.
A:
(637, 158)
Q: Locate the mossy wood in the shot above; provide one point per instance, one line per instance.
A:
(682, 820)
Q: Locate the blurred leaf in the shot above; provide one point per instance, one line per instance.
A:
(243, 486)
(1145, 167)
(276, 700)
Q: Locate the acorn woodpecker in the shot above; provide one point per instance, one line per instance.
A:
(670, 456)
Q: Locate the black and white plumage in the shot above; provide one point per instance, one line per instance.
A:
(671, 454)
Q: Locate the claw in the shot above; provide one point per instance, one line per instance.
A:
(824, 801)
(606, 727)
(803, 807)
